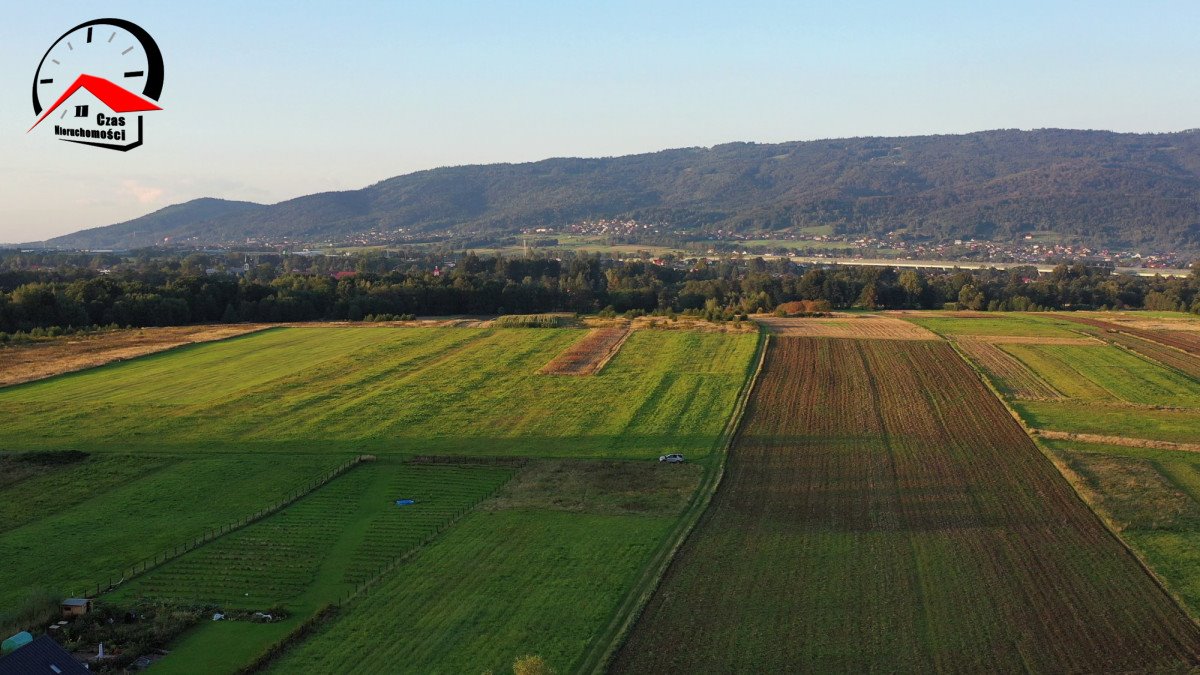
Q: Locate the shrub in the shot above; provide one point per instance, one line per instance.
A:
(531, 665)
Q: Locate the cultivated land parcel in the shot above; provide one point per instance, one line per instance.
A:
(880, 508)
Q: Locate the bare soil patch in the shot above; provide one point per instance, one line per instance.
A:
(1118, 440)
(868, 326)
(589, 354)
(26, 363)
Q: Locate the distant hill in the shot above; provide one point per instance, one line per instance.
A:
(1101, 188)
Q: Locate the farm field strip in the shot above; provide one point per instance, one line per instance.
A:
(499, 585)
(1183, 340)
(1105, 419)
(33, 491)
(324, 544)
(1171, 357)
(1013, 324)
(851, 326)
(590, 354)
(172, 503)
(353, 390)
(1032, 340)
(26, 363)
(1119, 440)
(1007, 373)
(862, 528)
(1153, 498)
(1127, 376)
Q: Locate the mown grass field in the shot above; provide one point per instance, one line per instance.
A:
(862, 528)
(539, 569)
(1153, 498)
(434, 391)
(1008, 324)
(135, 507)
(312, 553)
(182, 443)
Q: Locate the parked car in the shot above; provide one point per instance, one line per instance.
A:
(671, 459)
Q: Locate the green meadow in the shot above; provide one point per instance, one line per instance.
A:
(436, 391)
(1153, 498)
(538, 500)
(1008, 324)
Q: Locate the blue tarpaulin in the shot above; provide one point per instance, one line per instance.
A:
(405, 502)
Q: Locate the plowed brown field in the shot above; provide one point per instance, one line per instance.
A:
(589, 354)
(882, 512)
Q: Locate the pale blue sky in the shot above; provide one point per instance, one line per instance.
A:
(270, 100)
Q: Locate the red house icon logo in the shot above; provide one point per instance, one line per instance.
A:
(101, 126)
(112, 71)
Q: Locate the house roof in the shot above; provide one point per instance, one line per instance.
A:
(117, 98)
(76, 602)
(43, 655)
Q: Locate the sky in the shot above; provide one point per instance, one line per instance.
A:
(269, 100)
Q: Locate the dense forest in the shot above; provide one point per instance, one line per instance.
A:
(80, 291)
(1102, 189)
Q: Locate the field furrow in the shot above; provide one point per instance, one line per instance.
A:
(882, 511)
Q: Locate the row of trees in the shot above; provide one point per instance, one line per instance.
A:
(160, 295)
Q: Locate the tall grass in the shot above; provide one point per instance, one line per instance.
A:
(529, 321)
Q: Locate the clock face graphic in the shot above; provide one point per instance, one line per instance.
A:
(113, 49)
(118, 66)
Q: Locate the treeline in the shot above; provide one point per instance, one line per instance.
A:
(158, 295)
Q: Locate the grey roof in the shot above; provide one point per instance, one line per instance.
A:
(75, 602)
(43, 655)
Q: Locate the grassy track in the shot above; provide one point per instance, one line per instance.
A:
(863, 528)
(380, 390)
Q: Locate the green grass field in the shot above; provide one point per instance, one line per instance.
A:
(310, 554)
(434, 391)
(187, 441)
(1008, 323)
(500, 585)
(1153, 497)
(165, 503)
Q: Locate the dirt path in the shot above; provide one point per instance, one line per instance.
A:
(26, 363)
(1118, 440)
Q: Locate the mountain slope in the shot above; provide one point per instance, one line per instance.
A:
(1103, 188)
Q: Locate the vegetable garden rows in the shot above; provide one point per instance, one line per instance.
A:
(882, 511)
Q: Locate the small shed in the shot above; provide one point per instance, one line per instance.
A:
(72, 607)
(15, 642)
(42, 655)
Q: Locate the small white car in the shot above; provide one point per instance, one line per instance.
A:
(671, 459)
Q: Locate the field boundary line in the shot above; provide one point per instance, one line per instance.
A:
(158, 560)
(1080, 490)
(598, 656)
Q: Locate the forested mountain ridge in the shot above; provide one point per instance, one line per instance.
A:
(1104, 189)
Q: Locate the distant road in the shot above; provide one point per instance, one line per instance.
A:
(966, 265)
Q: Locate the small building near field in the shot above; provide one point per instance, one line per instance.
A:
(15, 642)
(42, 655)
(72, 607)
